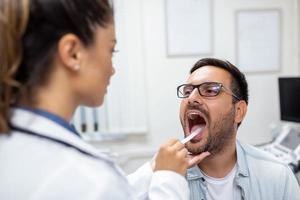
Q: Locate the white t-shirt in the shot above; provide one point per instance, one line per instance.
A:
(222, 188)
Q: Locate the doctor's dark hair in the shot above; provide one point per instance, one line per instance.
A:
(29, 33)
(239, 85)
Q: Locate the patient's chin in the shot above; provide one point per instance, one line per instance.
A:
(195, 149)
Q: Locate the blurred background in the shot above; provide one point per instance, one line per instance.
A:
(160, 40)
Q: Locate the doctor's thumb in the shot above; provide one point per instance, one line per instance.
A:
(195, 160)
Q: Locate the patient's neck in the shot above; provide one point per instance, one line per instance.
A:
(219, 165)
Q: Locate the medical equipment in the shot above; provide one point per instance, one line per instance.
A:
(286, 147)
(289, 98)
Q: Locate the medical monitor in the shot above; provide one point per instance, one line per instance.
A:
(291, 140)
(289, 97)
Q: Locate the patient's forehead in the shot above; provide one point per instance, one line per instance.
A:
(210, 74)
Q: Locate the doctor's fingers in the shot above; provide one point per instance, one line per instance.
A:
(195, 160)
(183, 153)
(169, 143)
(177, 146)
(182, 160)
(175, 150)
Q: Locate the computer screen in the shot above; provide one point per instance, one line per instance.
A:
(289, 96)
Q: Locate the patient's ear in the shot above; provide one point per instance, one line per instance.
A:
(240, 111)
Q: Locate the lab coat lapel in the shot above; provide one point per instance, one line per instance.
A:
(43, 126)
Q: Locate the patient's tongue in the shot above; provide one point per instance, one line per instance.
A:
(195, 127)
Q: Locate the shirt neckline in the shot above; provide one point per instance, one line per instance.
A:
(228, 176)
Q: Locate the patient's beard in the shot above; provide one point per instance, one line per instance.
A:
(220, 135)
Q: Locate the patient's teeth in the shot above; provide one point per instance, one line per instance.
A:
(193, 115)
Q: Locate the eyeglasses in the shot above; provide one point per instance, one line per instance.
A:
(207, 89)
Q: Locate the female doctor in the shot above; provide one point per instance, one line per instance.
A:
(54, 56)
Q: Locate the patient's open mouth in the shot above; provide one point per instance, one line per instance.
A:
(195, 119)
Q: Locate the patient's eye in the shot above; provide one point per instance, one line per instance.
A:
(187, 90)
(210, 89)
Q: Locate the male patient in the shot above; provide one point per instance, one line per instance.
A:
(215, 99)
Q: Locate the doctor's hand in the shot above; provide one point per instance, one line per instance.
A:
(172, 156)
(196, 159)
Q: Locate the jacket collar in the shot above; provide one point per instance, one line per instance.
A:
(194, 173)
(241, 160)
(43, 126)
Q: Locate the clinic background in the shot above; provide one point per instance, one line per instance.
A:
(141, 109)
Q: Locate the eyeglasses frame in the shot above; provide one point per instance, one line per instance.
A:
(197, 86)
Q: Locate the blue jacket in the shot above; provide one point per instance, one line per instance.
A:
(259, 177)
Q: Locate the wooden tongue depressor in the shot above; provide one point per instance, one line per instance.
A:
(191, 136)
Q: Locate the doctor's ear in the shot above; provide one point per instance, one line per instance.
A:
(240, 111)
(69, 51)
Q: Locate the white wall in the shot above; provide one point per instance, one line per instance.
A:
(163, 74)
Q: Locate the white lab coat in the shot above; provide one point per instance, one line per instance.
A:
(33, 167)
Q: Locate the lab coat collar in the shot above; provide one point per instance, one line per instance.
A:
(57, 119)
(43, 126)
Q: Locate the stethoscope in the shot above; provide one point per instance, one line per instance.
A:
(28, 132)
